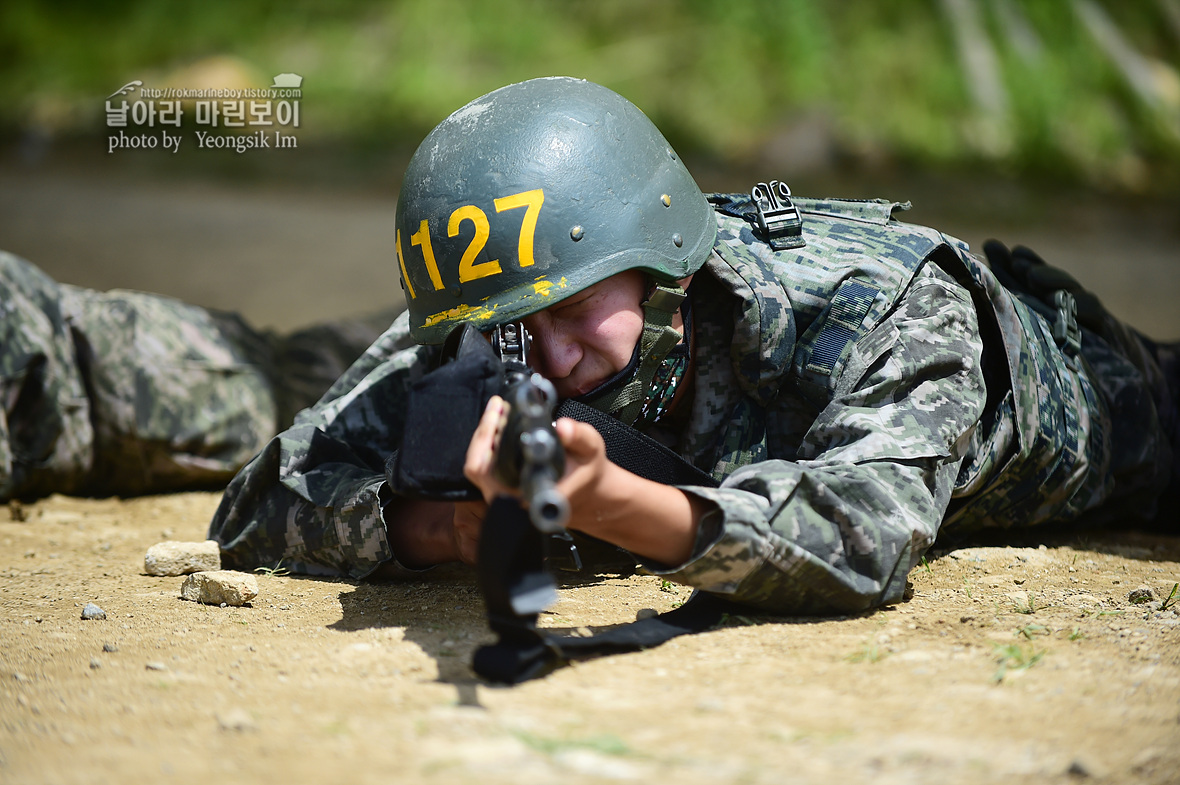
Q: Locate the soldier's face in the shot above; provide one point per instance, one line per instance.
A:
(588, 338)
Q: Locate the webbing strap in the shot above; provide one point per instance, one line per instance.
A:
(637, 452)
(700, 612)
(841, 325)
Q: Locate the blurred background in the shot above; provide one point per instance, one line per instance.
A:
(1053, 123)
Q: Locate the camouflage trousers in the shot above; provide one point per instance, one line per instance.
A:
(122, 392)
(1139, 380)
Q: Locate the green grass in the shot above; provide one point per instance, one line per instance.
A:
(1170, 600)
(1015, 657)
(277, 571)
(1029, 631)
(1028, 607)
(886, 80)
(870, 652)
(735, 620)
(605, 744)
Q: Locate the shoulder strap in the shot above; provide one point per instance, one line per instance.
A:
(637, 452)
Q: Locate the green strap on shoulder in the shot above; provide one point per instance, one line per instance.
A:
(657, 340)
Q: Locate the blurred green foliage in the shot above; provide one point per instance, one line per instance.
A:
(1030, 88)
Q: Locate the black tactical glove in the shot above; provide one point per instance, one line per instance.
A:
(1023, 270)
(443, 410)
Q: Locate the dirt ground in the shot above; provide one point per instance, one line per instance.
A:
(1013, 664)
(1021, 664)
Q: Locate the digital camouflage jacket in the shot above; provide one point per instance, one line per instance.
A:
(851, 396)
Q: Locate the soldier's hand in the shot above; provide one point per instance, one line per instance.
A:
(651, 520)
(1023, 270)
(586, 468)
(481, 451)
(585, 463)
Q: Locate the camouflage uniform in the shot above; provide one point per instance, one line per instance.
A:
(852, 396)
(124, 392)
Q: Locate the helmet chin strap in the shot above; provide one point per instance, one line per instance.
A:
(623, 395)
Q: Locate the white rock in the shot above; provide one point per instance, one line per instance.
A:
(92, 611)
(181, 558)
(214, 588)
(236, 720)
(1019, 598)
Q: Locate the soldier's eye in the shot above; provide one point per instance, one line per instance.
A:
(566, 307)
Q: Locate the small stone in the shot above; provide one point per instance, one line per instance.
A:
(1141, 595)
(1145, 761)
(155, 666)
(95, 664)
(236, 720)
(110, 648)
(182, 558)
(646, 613)
(216, 587)
(92, 611)
(1019, 598)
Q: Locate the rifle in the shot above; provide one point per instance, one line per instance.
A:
(529, 455)
(444, 408)
(512, 549)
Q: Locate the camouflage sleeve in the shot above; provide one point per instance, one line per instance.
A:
(839, 529)
(313, 497)
(46, 437)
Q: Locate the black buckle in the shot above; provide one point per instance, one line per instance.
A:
(1066, 332)
(777, 217)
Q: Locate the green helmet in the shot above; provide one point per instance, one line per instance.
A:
(533, 192)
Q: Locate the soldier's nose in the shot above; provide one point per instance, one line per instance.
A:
(554, 353)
